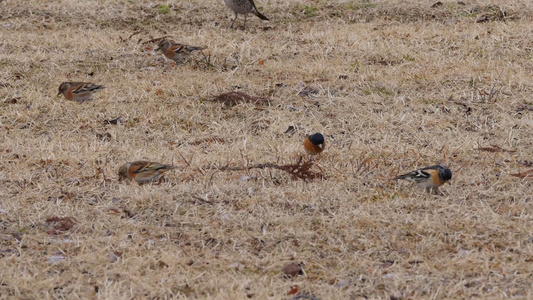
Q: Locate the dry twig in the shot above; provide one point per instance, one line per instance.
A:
(301, 169)
(234, 98)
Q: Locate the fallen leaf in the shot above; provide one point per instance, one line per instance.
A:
(261, 62)
(527, 174)
(61, 224)
(162, 264)
(12, 100)
(114, 256)
(293, 290)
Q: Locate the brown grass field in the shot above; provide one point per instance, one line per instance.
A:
(393, 85)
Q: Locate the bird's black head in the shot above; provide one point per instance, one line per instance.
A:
(316, 138)
(445, 174)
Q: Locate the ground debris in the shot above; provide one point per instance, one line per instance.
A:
(234, 98)
(301, 169)
(524, 106)
(494, 148)
(114, 121)
(60, 224)
(527, 174)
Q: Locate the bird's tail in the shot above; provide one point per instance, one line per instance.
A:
(197, 48)
(260, 15)
(190, 49)
(91, 87)
(408, 176)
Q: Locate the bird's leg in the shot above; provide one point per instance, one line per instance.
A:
(236, 15)
(435, 191)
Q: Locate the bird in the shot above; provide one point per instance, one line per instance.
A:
(431, 177)
(78, 91)
(314, 143)
(142, 171)
(243, 7)
(176, 51)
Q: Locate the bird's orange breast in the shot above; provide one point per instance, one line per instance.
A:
(69, 94)
(312, 148)
(435, 177)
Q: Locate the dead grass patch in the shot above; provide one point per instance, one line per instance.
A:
(234, 98)
(393, 86)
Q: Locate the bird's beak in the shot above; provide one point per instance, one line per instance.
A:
(58, 94)
(321, 146)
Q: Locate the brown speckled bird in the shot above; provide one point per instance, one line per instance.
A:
(142, 171)
(243, 7)
(177, 52)
(78, 91)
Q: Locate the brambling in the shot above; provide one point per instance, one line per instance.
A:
(142, 171)
(78, 91)
(243, 7)
(428, 177)
(177, 52)
(314, 143)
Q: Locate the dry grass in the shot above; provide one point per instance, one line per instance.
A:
(393, 85)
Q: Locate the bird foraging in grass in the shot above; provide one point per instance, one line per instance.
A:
(177, 52)
(78, 91)
(142, 171)
(243, 7)
(314, 143)
(431, 177)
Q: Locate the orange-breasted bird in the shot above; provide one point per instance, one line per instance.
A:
(177, 52)
(314, 143)
(142, 171)
(78, 91)
(428, 177)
